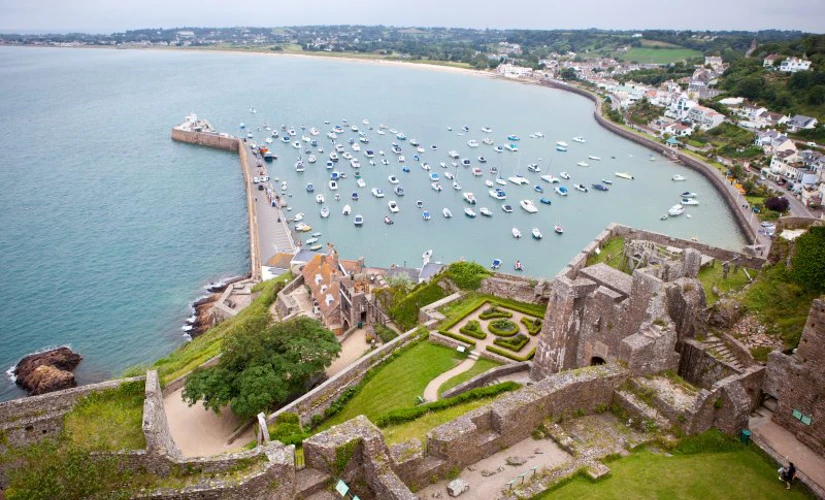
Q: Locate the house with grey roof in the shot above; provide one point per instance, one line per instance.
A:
(802, 122)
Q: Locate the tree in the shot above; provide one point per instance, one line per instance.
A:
(262, 366)
(569, 74)
(808, 261)
(780, 204)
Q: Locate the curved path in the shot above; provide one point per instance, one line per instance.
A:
(431, 391)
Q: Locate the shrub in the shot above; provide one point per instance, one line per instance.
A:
(467, 275)
(509, 355)
(513, 343)
(808, 261)
(405, 312)
(473, 329)
(777, 204)
(458, 337)
(385, 333)
(287, 429)
(533, 325)
(503, 328)
(407, 414)
(494, 312)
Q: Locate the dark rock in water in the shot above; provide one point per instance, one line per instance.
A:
(47, 371)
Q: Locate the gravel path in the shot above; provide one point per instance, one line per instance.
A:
(431, 391)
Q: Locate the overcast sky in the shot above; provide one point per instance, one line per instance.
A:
(105, 16)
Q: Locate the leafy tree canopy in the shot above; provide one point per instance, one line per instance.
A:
(808, 261)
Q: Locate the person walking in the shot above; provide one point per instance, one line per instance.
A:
(788, 474)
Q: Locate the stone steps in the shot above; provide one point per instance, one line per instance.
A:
(473, 355)
(310, 482)
(639, 411)
(720, 349)
(323, 495)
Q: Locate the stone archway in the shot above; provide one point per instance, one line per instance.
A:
(596, 361)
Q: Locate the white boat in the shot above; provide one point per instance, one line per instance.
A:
(356, 147)
(399, 190)
(401, 159)
(446, 213)
(312, 241)
(485, 212)
(561, 143)
(528, 206)
(487, 141)
(583, 164)
(346, 210)
(388, 221)
(518, 180)
(561, 190)
(507, 209)
(499, 149)
(558, 229)
(477, 172)
(688, 194)
(678, 178)
(436, 186)
(561, 149)
(319, 198)
(299, 165)
(361, 183)
(500, 181)
(333, 156)
(593, 157)
(358, 220)
(539, 135)
(333, 186)
(536, 233)
(580, 187)
(488, 183)
(393, 179)
(469, 198)
(393, 206)
(354, 163)
(296, 145)
(454, 155)
(472, 143)
(433, 176)
(676, 210)
(487, 130)
(449, 176)
(426, 256)
(469, 213)
(533, 167)
(377, 192)
(511, 148)
(324, 212)
(497, 194)
(549, 178)
(624, 175)
(689, 202)
(516, 232)
(456, 186)
(299, 217)
(579, 139)
(565, 175)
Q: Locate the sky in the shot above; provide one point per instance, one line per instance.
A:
(107, 16)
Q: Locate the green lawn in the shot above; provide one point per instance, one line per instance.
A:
(419, 427)
(456, 310)
(711, 276)
(611, 254)
(741, 474)
(109, 420)
(658, 55)
(481, 366)
(397, 384)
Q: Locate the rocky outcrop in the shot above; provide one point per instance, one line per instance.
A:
(47, 371)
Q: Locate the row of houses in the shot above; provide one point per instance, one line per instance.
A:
(788, 64)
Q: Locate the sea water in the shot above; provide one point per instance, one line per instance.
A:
(110, 230)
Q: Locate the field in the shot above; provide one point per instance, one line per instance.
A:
(658, 56)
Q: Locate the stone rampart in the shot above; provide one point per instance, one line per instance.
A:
(284, 304)
(515, 287)
(700, 368)
(483, 379)
(159, 440)
(208, 139)
(430, 311)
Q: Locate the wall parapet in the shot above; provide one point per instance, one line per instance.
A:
(482, 379)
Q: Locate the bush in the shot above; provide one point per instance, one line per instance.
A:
(407, 414)
(494, 312)
(533, 325)
(458, 337)
(509, 355)
(473, 329)
(405, 312)
(385, 333)
(808, 261)
(777, 204)
(503, 328)
(287, 429)
(467, 275)
(513, 343)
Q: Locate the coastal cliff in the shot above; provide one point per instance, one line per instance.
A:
(47, 371)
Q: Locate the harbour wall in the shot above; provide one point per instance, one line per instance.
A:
(228, 143)
(710, 173)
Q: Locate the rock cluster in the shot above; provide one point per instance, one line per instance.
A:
(47, 371)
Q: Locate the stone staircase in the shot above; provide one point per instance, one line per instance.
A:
(639, 411)
(719, 349)
(310, 483)
(473, 355)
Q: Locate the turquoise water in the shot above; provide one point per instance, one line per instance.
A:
(110, 230)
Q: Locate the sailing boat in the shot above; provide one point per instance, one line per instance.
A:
(456, 185)
(558, 229)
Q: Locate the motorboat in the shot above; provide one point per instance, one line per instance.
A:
(361, 183)
(528, 206)
(688, 194)
(469, 213)
(533, 168)
(496, 264)
(405, 169)
(469, 198)
(401, 137)
(508, 209)
(436, 186)
(414, 142)
(354, 196)
(580, 187)
(419, 204)
(388, 221)
(561, 149)
(465, 128)
(536, 233)
(393, 206)
(488, 183)
(499, 149)
(324, 212)
(377, 192)
(311, 159)
(299, 165)
(401, 159)
(477, 172)
(500, 181)
(516, 232)
(399, 191)
(425, 215)
(449, 175)
(358, 220)
(319, 198)
(446, 213)
(369, 153)
(434, 176)
(561, 143)
(538, 189)
(472, 143)
(385, 161)
(579, 139)
(676, 210)
(396, 149)
(456, 186)
(625, 175)
(269, 156)
(607, 182)
(355, 163)
(561, 190)
(333, 156)
(310, 187)
(330, 165)
(416, 158)
(299, 217)
(594, 157)
(539, 135)
(346, 210)
(689, 202)
(583, 164)
(600, 187)
(312, 241)
(546, 201)
(518, 180)
(487, 130)
(513, 137)
(333, 185)
(393, 179)
(487, 141)
(442, 165)
(517, 266)
(558, 229)
(565, 175)
(296, 144)
(511, 148)
(678, 178)
(482, 159)
(465, 162)
(303, 228)
(453, 154)
(498, 194)
(485, 212)
(549, 178)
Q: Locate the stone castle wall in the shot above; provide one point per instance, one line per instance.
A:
(285, 305)
(159, 440)
(208, 139)
(515, 287)
(483, 379)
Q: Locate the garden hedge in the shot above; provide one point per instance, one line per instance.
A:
(509, 355)
(533, 325)
(494, 312)
(458, 337)
(503, 327)
(473, 329)
(513, 343)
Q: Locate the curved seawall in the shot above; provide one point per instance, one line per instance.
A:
(713, 175)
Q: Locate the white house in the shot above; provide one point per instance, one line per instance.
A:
(676, 129)
(704, 117)
(800, 122)
(794, 64)
(512, 71)
(769, 61)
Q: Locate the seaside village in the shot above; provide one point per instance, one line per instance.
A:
(788, 162)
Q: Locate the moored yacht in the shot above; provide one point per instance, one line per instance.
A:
(528, 206)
